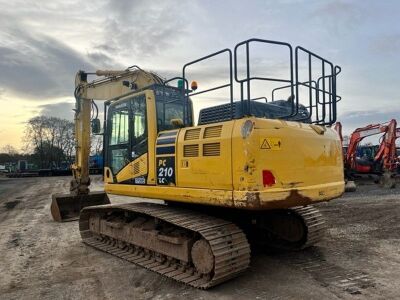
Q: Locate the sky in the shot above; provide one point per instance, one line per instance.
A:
(44, 43)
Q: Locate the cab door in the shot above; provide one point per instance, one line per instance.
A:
(118, 150)
(128, 140)
(139, 139)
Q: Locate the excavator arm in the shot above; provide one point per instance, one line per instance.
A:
(386, 152)
(357, 136)
(387, 148)
(108, 86)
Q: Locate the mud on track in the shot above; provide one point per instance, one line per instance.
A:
(40, 259)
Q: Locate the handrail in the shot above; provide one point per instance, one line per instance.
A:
(230, 84)
(323, 98)
(249, 78)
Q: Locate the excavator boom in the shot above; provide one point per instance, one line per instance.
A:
(110, 85)
(384, 157)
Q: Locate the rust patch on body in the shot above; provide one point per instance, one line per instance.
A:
(296, 196)
(252, 201)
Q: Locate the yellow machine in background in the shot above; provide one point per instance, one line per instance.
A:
(247, 172)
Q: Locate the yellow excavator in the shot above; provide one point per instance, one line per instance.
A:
(247, 174)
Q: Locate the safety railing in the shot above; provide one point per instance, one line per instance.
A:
(229, 85)
(249, 78)
(320, 82)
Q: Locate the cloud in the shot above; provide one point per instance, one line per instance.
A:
(99, 58)
(138, 29)
(358, 118)
(36, 66)
(63, 110)
(388, 44)
(338, 17)
(39, 54)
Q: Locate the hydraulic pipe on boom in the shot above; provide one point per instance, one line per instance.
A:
(112, 85)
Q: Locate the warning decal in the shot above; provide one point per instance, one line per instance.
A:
(270, 143)
(265, 144)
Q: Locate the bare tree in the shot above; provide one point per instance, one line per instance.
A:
(8, 149)
(51, 139)
(96, 144)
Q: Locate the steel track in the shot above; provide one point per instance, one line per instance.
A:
(314, 223)
(228, 243)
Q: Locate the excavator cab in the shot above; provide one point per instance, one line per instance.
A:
(130, 124)
(133, 122)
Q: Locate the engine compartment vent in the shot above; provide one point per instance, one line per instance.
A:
(211, 149)
(212, 132)
(136, 168)
(191, 150)
(192, 134)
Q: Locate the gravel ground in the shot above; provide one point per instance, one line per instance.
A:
(41, 259)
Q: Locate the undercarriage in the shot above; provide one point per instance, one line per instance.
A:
(190, 246)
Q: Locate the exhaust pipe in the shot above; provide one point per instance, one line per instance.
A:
(67, 207)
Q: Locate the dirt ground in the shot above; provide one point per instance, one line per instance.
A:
(41, 259)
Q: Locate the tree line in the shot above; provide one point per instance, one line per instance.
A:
(49, 142)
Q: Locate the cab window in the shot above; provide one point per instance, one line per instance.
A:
(120, 127)
(139, 132)
(119, 139)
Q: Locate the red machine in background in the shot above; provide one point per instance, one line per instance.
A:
(398, 151)
(383, 162)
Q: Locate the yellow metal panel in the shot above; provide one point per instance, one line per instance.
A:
(179, 194)
(111, 86)
(305, 157)
(128, 172)
(247, 200)
(273, 198)
(152, 135)
(306, 163)
(208, 159)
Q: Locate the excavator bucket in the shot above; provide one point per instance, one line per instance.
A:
(67, 207)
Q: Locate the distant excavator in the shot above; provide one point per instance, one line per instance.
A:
(248, 172)
(379, 160)
(398, 151)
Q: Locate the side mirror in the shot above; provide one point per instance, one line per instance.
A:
(96, 127)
